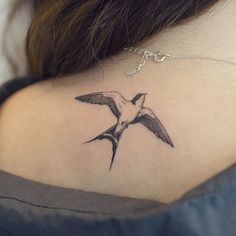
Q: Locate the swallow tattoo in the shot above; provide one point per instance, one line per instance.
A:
(127, 112)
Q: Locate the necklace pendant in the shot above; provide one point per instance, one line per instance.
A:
(132, 71)
(161, 57)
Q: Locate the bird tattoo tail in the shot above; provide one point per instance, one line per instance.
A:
(111, 136)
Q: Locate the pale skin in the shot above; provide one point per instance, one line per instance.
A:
(42, 138)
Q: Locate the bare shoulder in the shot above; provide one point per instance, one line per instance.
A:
(158, 138)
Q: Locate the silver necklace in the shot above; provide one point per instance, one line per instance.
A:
(161, 57)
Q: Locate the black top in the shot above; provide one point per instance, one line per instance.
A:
(32, 208)
(12, 86)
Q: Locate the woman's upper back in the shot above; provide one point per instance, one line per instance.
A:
(44, 131)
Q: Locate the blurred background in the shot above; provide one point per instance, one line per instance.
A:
(12, 36)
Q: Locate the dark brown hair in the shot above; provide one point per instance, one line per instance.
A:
(69, 36)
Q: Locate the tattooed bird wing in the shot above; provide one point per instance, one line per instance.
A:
(148, 118)
(112, 99)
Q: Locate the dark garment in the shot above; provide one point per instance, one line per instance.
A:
(31, 208)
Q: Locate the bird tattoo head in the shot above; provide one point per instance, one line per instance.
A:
(127, 112)
(140, 97)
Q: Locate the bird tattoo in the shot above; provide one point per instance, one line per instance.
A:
(127, 112)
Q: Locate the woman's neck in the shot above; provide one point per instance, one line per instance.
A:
(212, 34)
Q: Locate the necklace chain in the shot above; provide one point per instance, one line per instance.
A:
(161, 57)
